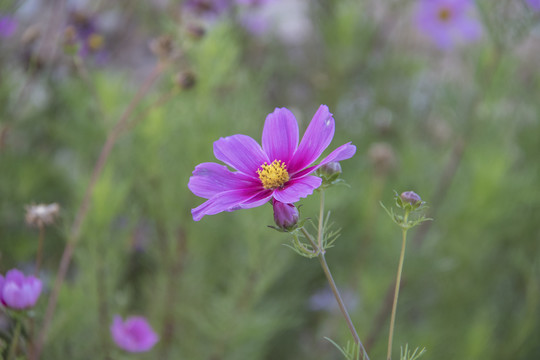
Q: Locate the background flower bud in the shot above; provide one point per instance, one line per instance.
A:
(410, 197)
(185, 80)
(332, 168)
(285, 215)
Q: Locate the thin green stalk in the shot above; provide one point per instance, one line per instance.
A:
(396, 291)
(14, 340)
(308, 236)
(321, 215)
(331, 281)
(341, 304)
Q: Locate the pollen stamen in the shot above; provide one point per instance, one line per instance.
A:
(273, 176)
(445, 14)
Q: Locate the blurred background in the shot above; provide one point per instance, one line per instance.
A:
(455, 119)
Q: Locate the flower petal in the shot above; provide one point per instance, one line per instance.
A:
(344, 152)
(210, 179)
(297, 188)
(241, 152)
(280, 135)
(225, 201)
(316, 139)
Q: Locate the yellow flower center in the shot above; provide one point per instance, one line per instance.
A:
(95, 42)
(274, 175)
(444, 14)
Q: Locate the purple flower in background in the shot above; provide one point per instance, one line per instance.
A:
(207, 8)
(8, 26)
(280, 169)
(82, 30)
(534, 4)
(253, 2)
(133, 335)
(18, 291)
(447, 21)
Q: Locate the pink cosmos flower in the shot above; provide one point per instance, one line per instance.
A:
(133, 335)
(280, 169)
(447, 21)
(18, 291)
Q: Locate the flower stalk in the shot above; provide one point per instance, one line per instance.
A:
(320, 255)
(82, 212)
(398, 283)
(15, 339)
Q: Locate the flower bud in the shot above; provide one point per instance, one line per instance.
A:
(330, 169)
(382, 157)
(412, 198)
(185, 80)
(196, 32)
(162, 47)
(285, 215)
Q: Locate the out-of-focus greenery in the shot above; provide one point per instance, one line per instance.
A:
(461, 128)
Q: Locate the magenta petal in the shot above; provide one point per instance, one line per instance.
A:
(134, 335)
(210, 179)
(297, 188)
(280, 135)
(240, 152)
(316, 139)
(259, 199)
(344, 152)
(225, 201)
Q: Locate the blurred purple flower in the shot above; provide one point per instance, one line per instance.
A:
(279, 169)
(447, 21)
(207, 8)
(8, 26)
(254, 3)
(83, 29)
(18, 291)
(133, 335)
(534, 4)
(255, 24)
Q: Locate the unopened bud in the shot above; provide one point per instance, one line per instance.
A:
(162, 47)
(185, 80)
(382, 157)
(285, 215)
(196, 32)
(330, 169)
(412, 198)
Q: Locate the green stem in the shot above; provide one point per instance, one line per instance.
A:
(341, 304)
(396, 291)
(308, 236)
(332, 283)
(14, 340)
(321, 215)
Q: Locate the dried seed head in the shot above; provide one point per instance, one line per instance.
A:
(41, 214)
